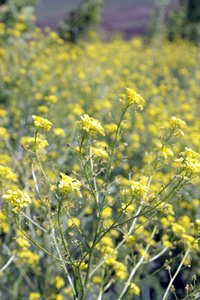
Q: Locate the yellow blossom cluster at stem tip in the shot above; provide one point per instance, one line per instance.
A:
(18, 199)
(134, 289)
(68, 184)
(41, 123)
(138, 188)
(5, 172)
(91, 125)
(175, 123)
(99, 153)
(189, 160)
(134, 98)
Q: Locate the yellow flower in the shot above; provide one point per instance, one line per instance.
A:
(42, 109)
(3, 222)
(74, 221)
(41, 144)
(134, 289)
(34, 296)
(28, 257)
(68, 184)
(59, 132)
(138, 188)
(41, 123)
(51, 98)
(175, 123)
(59, 282)
(18, 199)
(91, 125)
(134, 98)
(97, 279)
(5, 159)
(198, 224)
(5, 172)
(4, 133)
(190, 160)
(83, 265)
(53, 188)
(3, 112)
(22, 242)
(112, 127)
(120, 270)
(99, 153)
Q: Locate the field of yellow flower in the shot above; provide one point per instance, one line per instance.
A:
(99, 164)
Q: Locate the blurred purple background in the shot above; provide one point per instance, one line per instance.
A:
(130, 17)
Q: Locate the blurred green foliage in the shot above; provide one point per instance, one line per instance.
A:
(182, 22)
(77, 23)
(12, 11)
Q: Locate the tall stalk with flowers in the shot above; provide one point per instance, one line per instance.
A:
(104, 249)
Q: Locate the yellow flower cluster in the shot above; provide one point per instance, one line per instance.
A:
(177, 123)
(91, 125)
(3, 223)
(41, 123)
(40, 144)
(99, 153)
(34, 296)
(22, 242)
(4, 133)
(165, 152)
(17, 199)
(5, 172)
(189, 160)
(134, 98)
(59, 132)
(51, 98)
(28, 257)
(138, 188)
(68, 184)
(134, 289)
(59, 282)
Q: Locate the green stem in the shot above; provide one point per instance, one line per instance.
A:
(41, 228)
(93, 175)
(137, 265)
(61, 231)
(78, 229)
(64, 267)
(147, 211)
(177, 271)
(36, 244)
(86, 175)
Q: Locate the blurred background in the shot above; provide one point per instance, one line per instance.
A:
(128, 18)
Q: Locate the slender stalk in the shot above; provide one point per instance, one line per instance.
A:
(37, 225)
(36, 244)
(93, 176)
(86, 175)
(112, 154)
(61, 231)
(158, 255)
(147, 211)
(79, 231)
(64, 267)
(137, 266)
(176, 273)
(8, 263)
